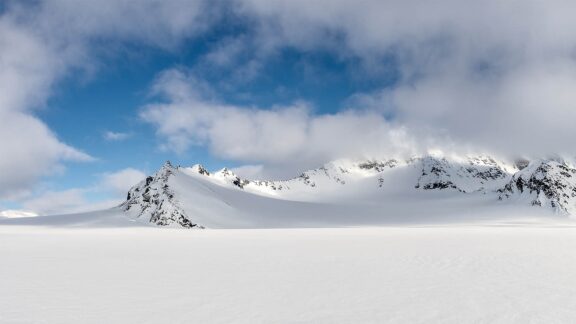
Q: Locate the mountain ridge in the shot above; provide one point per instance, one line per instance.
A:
(192, 197)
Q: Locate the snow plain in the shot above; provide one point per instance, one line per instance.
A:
(492, 273)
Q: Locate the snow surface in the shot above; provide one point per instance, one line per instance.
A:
(426, 240)
(501, 273)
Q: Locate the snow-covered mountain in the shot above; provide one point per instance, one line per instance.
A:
(544, 183)
(355, 193)
(154, 199)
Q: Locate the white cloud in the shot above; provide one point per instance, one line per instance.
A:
(526, 111)
(28, 148)
(290, 135)
(121, 181)
(248, 171)
(111, 188)
(14, 213)
(42, 42)
(67, 202)
(489, 76)
(57, 202)
(163, 23)
(116, 136)
(492, 74)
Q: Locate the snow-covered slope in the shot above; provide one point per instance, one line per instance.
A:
(426, 189)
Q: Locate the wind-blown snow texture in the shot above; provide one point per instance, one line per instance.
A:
(356, 193)
(493, 243)
(469, 274)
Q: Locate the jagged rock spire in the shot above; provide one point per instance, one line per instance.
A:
(153, 200)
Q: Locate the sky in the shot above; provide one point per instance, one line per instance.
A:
(95, 95)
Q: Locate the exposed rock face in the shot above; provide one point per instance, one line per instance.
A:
(200, 169)
(470, 175)
(378, 166)
(521, 163)
(153, 200)
(435, 175)
(545, 183)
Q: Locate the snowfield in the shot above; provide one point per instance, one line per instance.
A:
(426, 240)
(499, 273)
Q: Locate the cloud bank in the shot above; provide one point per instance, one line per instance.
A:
(111, 186)
(27, 69)
(283, 135)
(491, 75)
(487, 76)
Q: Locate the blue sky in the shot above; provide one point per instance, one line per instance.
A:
(93, 96)
(84, 108)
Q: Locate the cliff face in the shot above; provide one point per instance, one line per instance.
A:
(544, 183)
(153, 201)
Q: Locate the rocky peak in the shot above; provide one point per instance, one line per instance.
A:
(546, 183)
(199, 168)
(164, 172)
(378, 166)
(226, 173)
(467, 175)
(435, 174)
(230, 177)
(153, 200)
